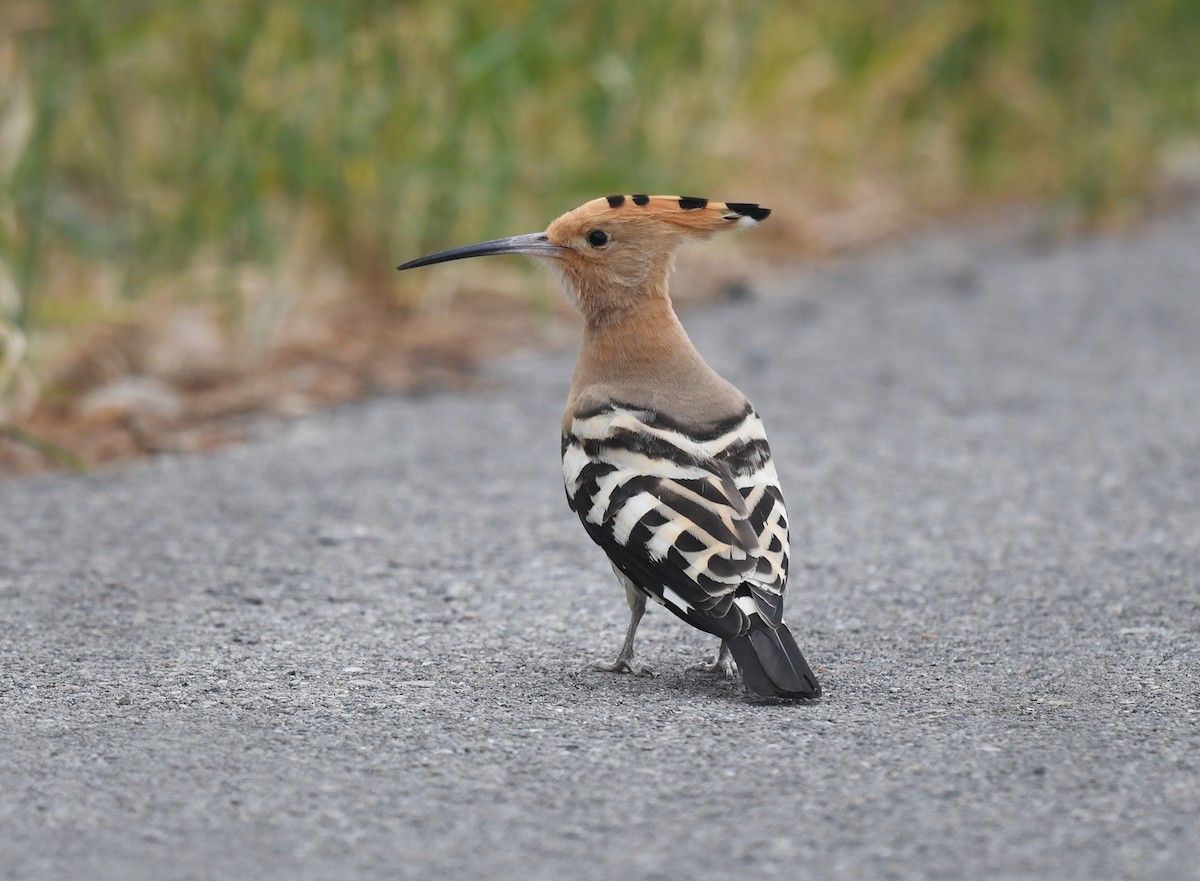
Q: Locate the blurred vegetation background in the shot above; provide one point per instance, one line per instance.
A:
(239, 153)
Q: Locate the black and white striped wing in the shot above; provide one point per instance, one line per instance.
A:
(694, 518)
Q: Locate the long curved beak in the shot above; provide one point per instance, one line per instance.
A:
(534, 243)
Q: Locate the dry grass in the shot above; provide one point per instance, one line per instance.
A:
(260, 167)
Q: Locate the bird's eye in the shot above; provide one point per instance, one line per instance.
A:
(597, 238)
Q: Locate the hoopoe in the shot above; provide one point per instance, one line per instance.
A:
(665, 462)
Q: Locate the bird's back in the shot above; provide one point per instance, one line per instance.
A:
(691, 512)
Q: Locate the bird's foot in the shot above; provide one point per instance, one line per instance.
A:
(622, 664)
(722, 665)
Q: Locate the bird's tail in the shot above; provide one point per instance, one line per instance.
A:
(771, 662)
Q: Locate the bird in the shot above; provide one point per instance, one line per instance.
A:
(665, 462)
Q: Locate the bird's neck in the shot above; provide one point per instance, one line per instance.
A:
(643, 334)
(641, 354)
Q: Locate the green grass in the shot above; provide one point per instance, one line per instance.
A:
(140, 141)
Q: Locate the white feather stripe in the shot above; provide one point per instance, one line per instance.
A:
(774, 530)
(631, 512)
(750, 430)
(678, 523)
(764, 476)
(663, 538)
(734, 526)
(641, 464)
(754, 498)
(574, 461)
(777, 533)
(604, 490)
(747, 605)
(603, 425)
(676, 600)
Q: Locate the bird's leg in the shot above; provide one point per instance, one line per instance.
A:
(721, 665)
(624, 662)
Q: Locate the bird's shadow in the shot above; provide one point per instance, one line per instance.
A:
(690, 684)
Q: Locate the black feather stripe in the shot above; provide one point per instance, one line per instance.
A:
(691, 203)
(634, 486)
(677, 559)
(615, 201)
(700, 432)
(749, 209)
(640, 537)
(722, 569)
(704, 518)
(758, 517)
(712, 491)
(704, 432)
(721, 606)
(746, 458)
(641, 199)
(644, 444)
(589, 485)
(654, 519)
(712, 585)
(689, 543)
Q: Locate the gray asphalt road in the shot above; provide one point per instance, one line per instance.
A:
(354, 648)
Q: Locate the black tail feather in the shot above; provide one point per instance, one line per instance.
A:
(771, 662)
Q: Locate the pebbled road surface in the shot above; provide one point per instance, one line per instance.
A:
(353, 648)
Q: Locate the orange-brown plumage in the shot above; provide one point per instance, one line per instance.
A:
(665, 462)
(633, 345)
(637, 259)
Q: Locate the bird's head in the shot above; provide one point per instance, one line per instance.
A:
(614, 251)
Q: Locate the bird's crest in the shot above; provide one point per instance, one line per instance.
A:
(688, 214)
